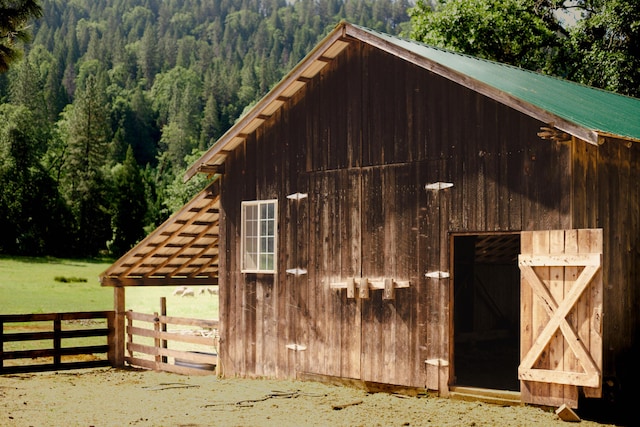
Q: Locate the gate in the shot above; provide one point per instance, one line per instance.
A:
(153, 345)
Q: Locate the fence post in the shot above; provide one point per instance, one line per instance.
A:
(163, 312)
(111, 317)
(57, 340)
(1, 346)
(156, 339)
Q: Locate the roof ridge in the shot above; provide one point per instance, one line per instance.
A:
(488, 61)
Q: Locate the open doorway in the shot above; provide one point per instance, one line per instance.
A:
(486, 310)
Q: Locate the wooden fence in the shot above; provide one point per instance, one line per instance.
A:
(56, 355)
(155, 353)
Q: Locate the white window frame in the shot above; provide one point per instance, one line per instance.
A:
(259, 237)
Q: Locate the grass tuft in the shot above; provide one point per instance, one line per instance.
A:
(72, 279)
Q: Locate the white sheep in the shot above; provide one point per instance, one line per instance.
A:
(212, 291)
(179, 290)
(188, 292)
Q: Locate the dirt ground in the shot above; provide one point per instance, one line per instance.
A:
(119, 397)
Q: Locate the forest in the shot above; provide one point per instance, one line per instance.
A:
(113, 99)
(109, 102)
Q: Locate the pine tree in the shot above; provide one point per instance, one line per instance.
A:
(14, 16)
(88, 132)
(128, 205)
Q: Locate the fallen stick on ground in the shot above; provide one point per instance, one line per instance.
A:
(166, 386)
(346, 405)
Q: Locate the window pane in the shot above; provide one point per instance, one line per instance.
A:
(266, 262)
(251, 212)
(250, 261)
(251, 245)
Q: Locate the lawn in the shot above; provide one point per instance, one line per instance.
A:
(52, 285)
(29, 285)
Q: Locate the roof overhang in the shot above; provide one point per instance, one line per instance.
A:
(183, 250)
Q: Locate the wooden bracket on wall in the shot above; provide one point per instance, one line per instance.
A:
(386, 284)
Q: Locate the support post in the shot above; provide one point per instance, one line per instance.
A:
(116, 335)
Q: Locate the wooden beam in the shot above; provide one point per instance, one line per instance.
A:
(160, 281)
(212, 169)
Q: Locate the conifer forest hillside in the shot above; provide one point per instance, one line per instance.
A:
(113, 99)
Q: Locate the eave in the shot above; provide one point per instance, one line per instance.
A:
(183, 250)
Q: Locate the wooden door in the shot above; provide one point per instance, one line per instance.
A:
(561, 316)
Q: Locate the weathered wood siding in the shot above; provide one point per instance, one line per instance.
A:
(606, 192)
(362, 139)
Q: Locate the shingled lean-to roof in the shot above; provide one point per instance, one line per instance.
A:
(179, 250)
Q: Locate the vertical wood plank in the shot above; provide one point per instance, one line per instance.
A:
(156, 341)
(526, 314)
(557, 291)
(539, 316)
(570, 276)
(421, 331)
(591, 241)
(351, 267)
(333, 304)
(311, 314)
(434, 286)
(445, 331)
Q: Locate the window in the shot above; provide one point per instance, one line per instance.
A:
(259, 236)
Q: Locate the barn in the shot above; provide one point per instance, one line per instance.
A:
(401, 215)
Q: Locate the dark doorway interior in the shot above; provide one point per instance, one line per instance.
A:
(487, 311)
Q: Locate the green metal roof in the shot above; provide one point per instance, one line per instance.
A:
(594, 109)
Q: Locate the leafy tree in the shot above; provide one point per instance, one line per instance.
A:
(507, 31)
(606, 44)
(33, 215)
(14, 16)
(595, 42)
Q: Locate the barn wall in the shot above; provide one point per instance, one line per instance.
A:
(607, 196)
(362, 139)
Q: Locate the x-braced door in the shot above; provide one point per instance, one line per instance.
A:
(561, 316)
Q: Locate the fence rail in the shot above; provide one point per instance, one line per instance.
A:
(54, 337)
(155, 354)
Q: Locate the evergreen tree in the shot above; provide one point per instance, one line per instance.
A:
(128, 205)
(32, 212)
(88, 131)
(14, 16)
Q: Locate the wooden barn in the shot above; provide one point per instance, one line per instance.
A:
(402, 215)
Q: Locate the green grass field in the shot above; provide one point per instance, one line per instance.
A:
(51, 285)
(29, 285)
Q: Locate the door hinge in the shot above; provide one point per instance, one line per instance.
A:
(437, 186)
(297, 196)
(297, 271)
(437, 274)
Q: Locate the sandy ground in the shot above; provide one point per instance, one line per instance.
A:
(117, 397)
